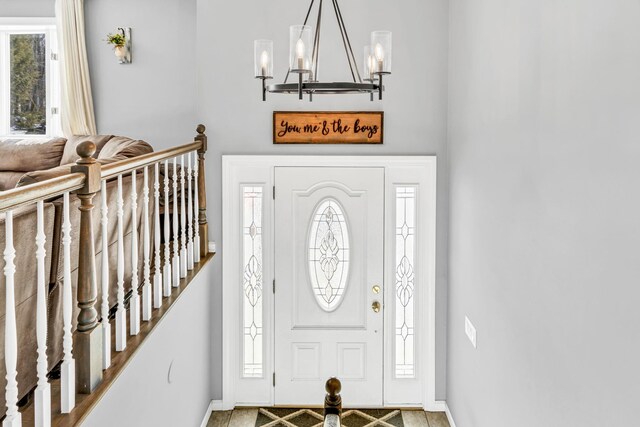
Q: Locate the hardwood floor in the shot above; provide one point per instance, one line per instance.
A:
(247, 417)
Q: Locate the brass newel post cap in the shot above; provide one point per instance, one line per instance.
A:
(333, 400)
(86, 150)
(201, 129)
(333, 386)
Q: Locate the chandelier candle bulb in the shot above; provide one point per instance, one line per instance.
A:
(300, 54)
(369, 67)
(368, 64)
(380, 57)
(263, 64)
(300, 38)
(381, 40)
(264, 61)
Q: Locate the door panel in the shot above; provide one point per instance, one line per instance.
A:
(328, 257)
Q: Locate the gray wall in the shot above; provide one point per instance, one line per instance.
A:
(545, 213)
(240, 123)
(154, 98)
(27, 8)
(143, 395)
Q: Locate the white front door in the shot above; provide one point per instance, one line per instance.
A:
(329, 257)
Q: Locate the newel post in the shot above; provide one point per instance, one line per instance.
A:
(202, 193)
(333, 400)
(87, 344)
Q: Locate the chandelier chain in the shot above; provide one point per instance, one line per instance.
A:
(347, 43)
(344, 39)
(316, 44)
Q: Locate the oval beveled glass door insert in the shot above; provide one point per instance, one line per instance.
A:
(328, 247)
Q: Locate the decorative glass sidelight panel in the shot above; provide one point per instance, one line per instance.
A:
(328, 247)
(252, 281)
(405, 232)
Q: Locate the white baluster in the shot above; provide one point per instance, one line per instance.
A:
(104, 307)
(189, 214)
(134, 302)
(13, 418)
(157, 276)
(196, 208)
(175, 241)
(68, 369)
(146, 271)
(167, 275)
(183, 219)
(121, 313)
(43, 390)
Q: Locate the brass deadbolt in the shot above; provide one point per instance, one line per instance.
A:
(375, 307)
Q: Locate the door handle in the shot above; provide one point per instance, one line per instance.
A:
(375, 306)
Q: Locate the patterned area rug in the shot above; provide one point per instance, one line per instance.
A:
(280, 417)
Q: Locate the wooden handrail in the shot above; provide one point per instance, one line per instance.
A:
(29, 194)
(112, 170)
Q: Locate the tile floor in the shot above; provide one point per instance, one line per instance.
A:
(248, 417)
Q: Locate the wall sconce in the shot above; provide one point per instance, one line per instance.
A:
(121, 42)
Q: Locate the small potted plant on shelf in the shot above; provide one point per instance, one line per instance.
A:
(118, 41)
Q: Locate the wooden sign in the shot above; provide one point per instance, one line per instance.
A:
(331, 127)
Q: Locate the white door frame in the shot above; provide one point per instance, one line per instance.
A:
(238, 171)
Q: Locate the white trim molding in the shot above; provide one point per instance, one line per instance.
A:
(217, 405)
(416, 171)
(449, 416)
(439, 406)
(214, 405)
(207, 414)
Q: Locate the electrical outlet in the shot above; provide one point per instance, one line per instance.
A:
(470, 330)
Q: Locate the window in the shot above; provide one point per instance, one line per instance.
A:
(405, 281)
(252, 285)
(328, 247)
(29, 78)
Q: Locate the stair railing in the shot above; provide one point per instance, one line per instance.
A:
(87, 352)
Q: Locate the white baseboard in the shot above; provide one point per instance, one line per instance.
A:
(449, 416)
(214, 405)
(438, 406)
(219, 405)
(207, 415)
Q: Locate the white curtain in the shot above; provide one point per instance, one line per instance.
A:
(77, 113)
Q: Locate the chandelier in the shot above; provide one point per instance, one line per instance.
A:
(304, 48)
